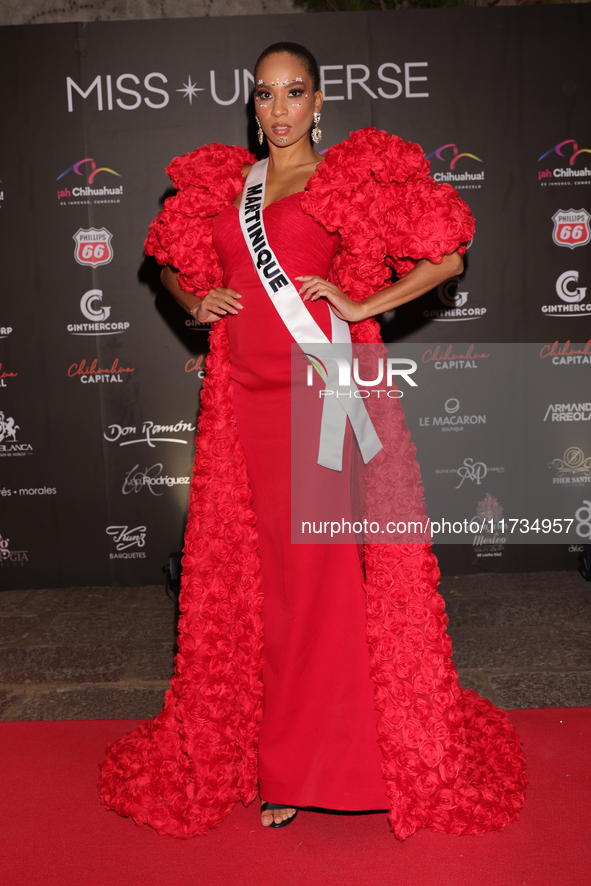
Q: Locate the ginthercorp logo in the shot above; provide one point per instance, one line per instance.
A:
(5, 331)
(463, 172)
(152, 479)
(570, 165)
(69, 193)
(342, 82)
(10, 557)
(10, 445)
(571, 228)
(93, 246)
(89, 307)
(92, 308)
(455, 301)
(566, 354)
(91, 372)
(473, 471)
(572, 469)
(448, 357)
(568, 412)
(5, 376)
(571, 297)
(125, 538)
(150, 433)
(453, 420)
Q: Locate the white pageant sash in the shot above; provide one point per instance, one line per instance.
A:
(304, 329)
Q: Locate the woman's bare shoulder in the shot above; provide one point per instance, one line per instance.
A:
(246, 169)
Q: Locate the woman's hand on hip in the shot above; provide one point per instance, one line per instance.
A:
(217, 304)
(344, 307)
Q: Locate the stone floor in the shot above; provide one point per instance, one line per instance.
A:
(522, 640)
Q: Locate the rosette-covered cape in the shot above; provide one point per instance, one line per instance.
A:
(451, 760)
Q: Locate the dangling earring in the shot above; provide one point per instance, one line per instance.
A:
(316, 133)
(261, 133)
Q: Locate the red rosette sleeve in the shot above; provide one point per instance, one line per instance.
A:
(424, 219)
(181, 235)
(375, 190)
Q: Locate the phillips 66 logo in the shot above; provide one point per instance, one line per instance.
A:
(571, 228)
(93, 246)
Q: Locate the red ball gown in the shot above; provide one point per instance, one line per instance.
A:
(326, 679)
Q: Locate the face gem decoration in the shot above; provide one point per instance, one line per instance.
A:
(277, 83)
(284, 93)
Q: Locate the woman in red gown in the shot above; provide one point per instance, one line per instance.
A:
(324, 680)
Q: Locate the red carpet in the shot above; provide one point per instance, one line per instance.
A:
(53, 830)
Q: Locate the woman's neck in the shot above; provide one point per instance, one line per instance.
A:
(290, 158)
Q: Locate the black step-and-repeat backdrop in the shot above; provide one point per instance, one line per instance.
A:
(100, 371)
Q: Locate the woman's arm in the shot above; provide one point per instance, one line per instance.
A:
(426, 275)
(215, 305)
(187, 300)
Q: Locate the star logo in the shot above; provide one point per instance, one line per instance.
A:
(190, 90)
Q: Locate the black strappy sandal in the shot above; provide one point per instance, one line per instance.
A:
(265, 806)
